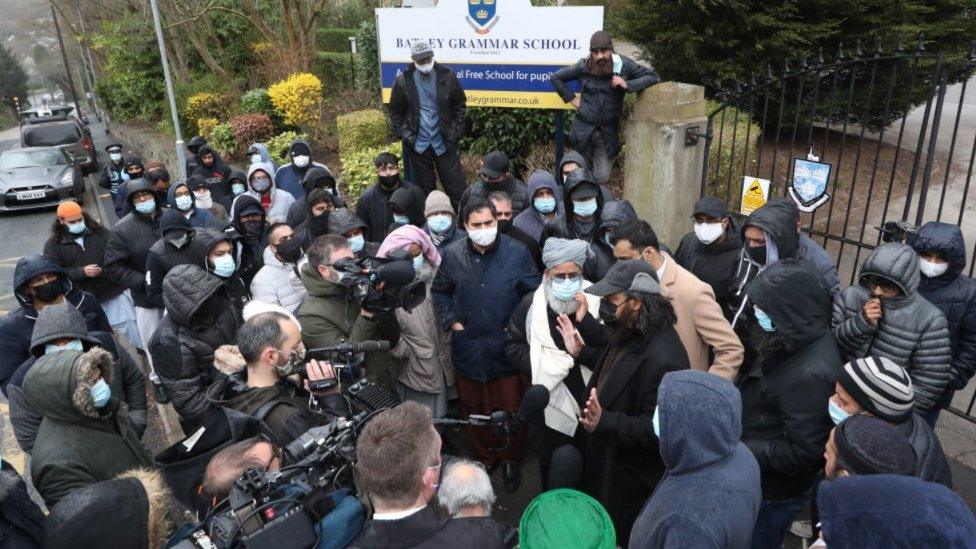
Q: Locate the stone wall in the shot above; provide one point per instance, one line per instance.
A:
(146, 142)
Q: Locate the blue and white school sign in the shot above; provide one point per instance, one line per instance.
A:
(503, 51)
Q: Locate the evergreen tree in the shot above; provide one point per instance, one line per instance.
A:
(13, 78)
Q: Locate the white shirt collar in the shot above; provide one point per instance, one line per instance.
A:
(397, 515)
(664, 266)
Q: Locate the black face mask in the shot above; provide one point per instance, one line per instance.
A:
(504, 225)
(135, 175)
(608, 313)
(290, 251)
(252, 228)
(319, 225)
(389, 181)
(757, 254)
(48, 292)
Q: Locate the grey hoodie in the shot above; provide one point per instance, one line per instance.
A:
(530, 220)
(912, 332)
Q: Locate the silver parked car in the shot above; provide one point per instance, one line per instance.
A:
(38, 176)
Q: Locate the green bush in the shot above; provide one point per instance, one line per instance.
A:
(128, 82)
(368, 68)
(737, 123)
(278, 146)
(358, 171)
(334, 39)
(130, 95)
(222, 139)
(257, 101)
(512, 131)
(202, 82)
(335, 70)
(362, 129)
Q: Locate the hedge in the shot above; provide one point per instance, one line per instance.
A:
(334, 39)
(361, 130)
(334, 70)
(358, 171)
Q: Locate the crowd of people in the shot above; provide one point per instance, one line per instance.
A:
(705, 397)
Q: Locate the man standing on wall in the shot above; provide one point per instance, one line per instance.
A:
(427, 108)
(604, 78)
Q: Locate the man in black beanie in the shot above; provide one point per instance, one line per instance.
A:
(865, 445)
(606, 77)
(878, 387)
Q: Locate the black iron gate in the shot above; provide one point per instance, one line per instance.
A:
(899, 138)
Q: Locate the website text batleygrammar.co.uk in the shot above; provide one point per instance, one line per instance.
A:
(487, 101)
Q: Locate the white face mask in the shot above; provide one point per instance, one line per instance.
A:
(204, 200)
(300, 160)
(256, 157)
(484, 237)
(425, 68)
(932, 270)
(708, 232)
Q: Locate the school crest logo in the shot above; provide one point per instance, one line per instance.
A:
(481, 15)
(808, 187)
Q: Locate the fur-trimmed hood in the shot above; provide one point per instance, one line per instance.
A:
(59, 385)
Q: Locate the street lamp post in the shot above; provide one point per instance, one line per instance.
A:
(64, 57)
(352, 59)
(180, 149)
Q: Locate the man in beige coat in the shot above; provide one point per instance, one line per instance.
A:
(701, 325)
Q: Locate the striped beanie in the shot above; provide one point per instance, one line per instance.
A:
(880, 386)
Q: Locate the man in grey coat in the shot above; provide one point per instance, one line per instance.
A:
(604, 79)
(884, 316)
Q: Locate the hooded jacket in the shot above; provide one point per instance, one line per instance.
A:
(278, 283)
(250, 249)
(614, 214)
(77, 445)
(192, 160)
(481, 291)
(163, 256)
(515, 187)
(601, 104)
(317, 177)
(17, 326)
(314, 226)
(530, 220)
(328, 315)
(199, 318)
(405, 106)
(893, 511)
(342, 221)
(21, 520)
(198, 217)
(128, 246)
(73, 257)
(289, 177)
(136, 502)
(715, 263)
(565, 225)
(121, 198)
(373, 207)
(784, 394)
(227, 200)
(262, 150)
(576, 158)
(710, 493)
(281, 200)
(410, 202)
(56, 322)
(217, 175)
(912, 332)
(954, 294)
(930, 461)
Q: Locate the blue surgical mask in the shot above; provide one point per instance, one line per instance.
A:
(584, 209)
(146, 207)
(184, 202)
(73, 345)
(76, 228)
(418, 263)
(656, 421)
(116, 157)
(837, 414)
(224, 266)
(439, 223)
(564, 290)
(545, 205)
(356, 243)
(401, 219)
(237, 188)
(763, 320)
(100, 393)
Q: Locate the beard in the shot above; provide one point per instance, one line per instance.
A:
(599, 67)
(559, 306)
(626, 327)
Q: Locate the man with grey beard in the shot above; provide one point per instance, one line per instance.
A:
(535, 345)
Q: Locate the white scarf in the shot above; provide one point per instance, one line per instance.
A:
(550, 364)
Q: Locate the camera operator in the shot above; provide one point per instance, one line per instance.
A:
(269, 344)
(399, 466)
(330, 313)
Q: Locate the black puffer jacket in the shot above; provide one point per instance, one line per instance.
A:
(713, 263)
(912, 332)
(316, 177)
(372, 208)
(954, 294)
(405, 106)
(199, 319)
(784, 395)
(409, 202)
(515, 187)
(601, 104)
(70, 256)
(250, 248)
(614, 214)
(217, 175)
(930, 461)
(163, 256)
(128, 246)
(565, 224)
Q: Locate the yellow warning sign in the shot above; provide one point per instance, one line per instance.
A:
(755, 193)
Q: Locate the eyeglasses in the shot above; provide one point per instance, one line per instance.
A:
(879, 282)
(566, 277)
